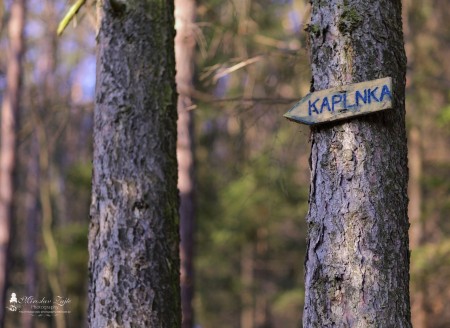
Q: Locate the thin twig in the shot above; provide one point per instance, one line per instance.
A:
(236, 67)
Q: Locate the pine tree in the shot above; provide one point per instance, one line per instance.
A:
(134, 238)
(185, 51)
(9, 127)
(357, 261)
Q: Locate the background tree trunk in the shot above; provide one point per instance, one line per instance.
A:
(134, 237)
(9, 128)
(31, 228)
(415, 164)
(247, 281)
(184, 51)
(357, 260)
(45, 109)
(418, 297)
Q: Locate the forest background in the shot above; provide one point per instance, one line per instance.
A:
(252, 172)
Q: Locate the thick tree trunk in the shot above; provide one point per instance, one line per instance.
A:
(357, 265)
(134, 237)
(184, 50)
(9, 128)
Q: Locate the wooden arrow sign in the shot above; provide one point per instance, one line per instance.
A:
(343, 102)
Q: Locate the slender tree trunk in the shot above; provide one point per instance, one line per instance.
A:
(262, 302)
(31, 228)
(357, 265)
(184, 50)
(418, 296)
(47, 98)
(134, 237)
(247, 281)
(9, 128)
(415, 136)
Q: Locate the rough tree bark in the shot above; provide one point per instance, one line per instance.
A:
(184, 51)
(357, 265)
(9, 128)
(133, 237)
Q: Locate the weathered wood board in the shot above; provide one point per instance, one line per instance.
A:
(343, 102)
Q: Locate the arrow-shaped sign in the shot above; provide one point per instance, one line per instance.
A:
(343, 102)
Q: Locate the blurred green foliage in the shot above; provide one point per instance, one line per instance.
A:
(73, 266)
(251, 164)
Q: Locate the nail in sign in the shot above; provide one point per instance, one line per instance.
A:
(343, 102)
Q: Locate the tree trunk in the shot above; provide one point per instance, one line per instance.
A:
(9, 128)
(134, 237)
(247, 281)
(418, 295)
(31, 228)
(415, 155)
(357, 265)
(46, 100)
(184, 50)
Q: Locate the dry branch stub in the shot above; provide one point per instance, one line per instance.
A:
(343, 102)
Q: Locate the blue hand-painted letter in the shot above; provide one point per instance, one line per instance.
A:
(312, 107)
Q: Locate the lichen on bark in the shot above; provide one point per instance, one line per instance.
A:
(349, 20)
